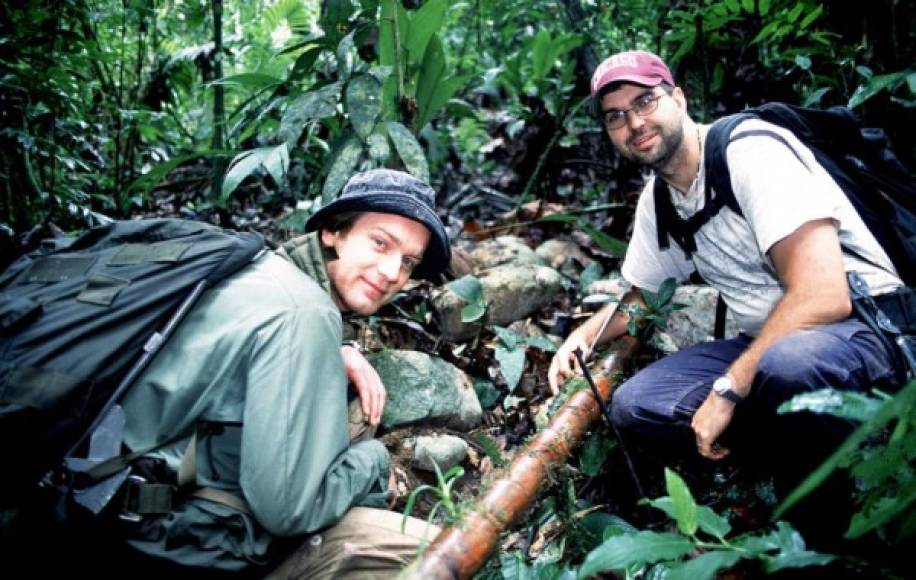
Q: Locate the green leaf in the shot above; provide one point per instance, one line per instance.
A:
(620, 552)
(363, 105)
(390, 47)
(607, 243)
(487, 393)
(709, 521)
(254, 81)
(342, 168)
(435, 90)
(766, 32)
(240, 168)
(152, 177)
(408, 149)
(764, 6)
(874, 86)
(882, 512)
(843, 404)
(733, 6)
(511, 365)
(704, 566)
(541, 342)
(594, 453)
(559, 217)
(795, 12)
(685, 508)
(431, 73)
(345, 57)
(748, 6)
(815, 97)
(424, 23)
(379, 150)
(307, 108)
(468, 287)
(591, 274)
(540, 53)
(509, 338)
(276, 162)
(811, 17)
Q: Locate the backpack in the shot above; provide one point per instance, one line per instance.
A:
(79, 323)
(859, 159)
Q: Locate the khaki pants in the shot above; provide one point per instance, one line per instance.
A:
(367, 543)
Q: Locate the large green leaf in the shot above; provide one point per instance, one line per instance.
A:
(685, 508)
(875, 85)
(152, 177)
(594, 453)
(276, 162)
(408, 149)
(844, 404)
(540, 54)
(511, 364)
(424, 23)
(308, 108)
(707, 520)
(621, 552)
(607, 243)
(379, 150)
(430, 75)
(363, 105)
(255, 81)
(390, 51)
(240, 168)
(342, 168)
(704, 566)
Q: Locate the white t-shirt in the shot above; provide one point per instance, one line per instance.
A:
(777, 195)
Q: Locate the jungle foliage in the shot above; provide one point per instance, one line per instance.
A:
(230, 111)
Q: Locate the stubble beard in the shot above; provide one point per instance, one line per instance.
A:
(670, 143)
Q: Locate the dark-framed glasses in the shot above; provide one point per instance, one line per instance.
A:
(644, 105)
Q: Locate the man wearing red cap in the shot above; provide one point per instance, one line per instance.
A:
(777, 264)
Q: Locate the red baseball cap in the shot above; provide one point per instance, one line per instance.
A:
(635, 66)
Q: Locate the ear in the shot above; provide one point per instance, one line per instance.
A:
(328, 238)
(678, 95)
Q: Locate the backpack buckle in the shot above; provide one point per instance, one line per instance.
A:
(142, 498)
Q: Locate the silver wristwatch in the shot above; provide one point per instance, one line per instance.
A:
(724, 386)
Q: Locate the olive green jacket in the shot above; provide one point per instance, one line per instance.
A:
(256, 371)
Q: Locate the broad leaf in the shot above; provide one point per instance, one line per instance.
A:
(685, 508)
(487, 393)
(468, 287)
(379, 150)
(424, 23)
(541, 342)
(594, 453)
(276, 162)
(307, 108)
(707, 520)
(509, 338)
(511, 365)
(607, 243)
(363, 105)
(408, 149)
(241, 167)
(704, 566)
(342, 168)
(254, 81)
(874, 86)
(843, 404)
(641, 548)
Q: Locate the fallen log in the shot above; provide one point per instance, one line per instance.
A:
(459, 551)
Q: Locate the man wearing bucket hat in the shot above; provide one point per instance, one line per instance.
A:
(257, 373)
(781, 272)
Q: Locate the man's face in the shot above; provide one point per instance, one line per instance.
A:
(375, 259)
(651, 139)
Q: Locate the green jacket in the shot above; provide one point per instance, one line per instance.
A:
(256, 370)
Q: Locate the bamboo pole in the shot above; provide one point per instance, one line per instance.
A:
(459, 551)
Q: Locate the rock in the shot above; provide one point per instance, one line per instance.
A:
(426, 389)
(696, 322)
(558, 252)
(500, 251)
(513, 292)
(445, 450)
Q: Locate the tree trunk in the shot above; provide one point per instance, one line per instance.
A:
(459, 551)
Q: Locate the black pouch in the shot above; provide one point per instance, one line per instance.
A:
(900, 307)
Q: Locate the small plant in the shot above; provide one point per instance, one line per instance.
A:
(443, 491)
(886, 494)
(700, 547)
(655, 315)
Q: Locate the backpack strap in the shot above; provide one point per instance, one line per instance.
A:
(717, 193)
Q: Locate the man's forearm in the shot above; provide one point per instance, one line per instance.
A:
(794, 312)
(615, 327)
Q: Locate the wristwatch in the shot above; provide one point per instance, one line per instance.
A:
(724, 386)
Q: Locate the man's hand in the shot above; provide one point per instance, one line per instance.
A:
(393, 488)
(564, 364)
(372, 395)
(708, 423)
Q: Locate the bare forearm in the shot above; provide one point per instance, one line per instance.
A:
(613, 328)
(794, 312)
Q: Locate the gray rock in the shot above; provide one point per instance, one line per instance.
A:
(425, 389)
(445, 450)
(558, 252)
(695, 323)
(502, 250)
(513, 293)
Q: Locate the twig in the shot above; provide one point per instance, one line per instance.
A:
(607, 415)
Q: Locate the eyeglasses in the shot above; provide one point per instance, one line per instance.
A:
(644, 105)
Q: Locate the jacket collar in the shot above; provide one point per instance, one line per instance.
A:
(307, 253)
